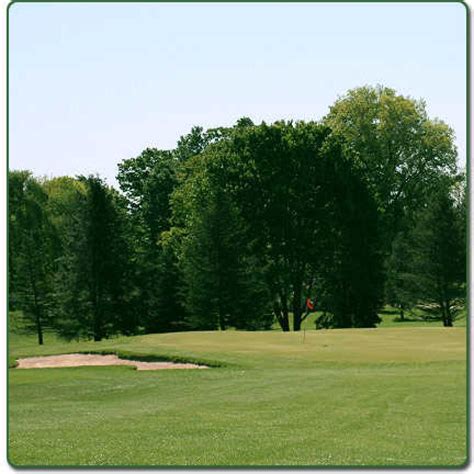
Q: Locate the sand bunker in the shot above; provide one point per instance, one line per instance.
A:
(76, 360)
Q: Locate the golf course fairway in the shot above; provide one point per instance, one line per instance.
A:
(349, 397)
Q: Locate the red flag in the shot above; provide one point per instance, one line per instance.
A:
(309, 304)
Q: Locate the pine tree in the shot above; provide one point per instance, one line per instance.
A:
(93, 293)
(31, 240)
(438, 257)
(222, 287)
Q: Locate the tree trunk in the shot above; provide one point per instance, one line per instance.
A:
(97, 313)
(285, 323)
(448, 317)
(296, 319)
(402, 314)
(221, 321)
(97, 329)
(39, 330)
(39, 326)
(285, 320)
(297, 310)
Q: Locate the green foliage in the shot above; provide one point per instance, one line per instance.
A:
(351, 284)
(170, 308)
(427, 267)
(197, 140)
(399, 289)
(400, 150)
(401, 153)
(438, 260)
(416, 317)
(191, 144)
(148, 182)
(403, 156)
(308, 219)
(239, 226)
(221, 284)
(31, 252)
(92, 280)
(279, 181)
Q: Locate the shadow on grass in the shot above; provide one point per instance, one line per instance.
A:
(157, 358)
(413, 320)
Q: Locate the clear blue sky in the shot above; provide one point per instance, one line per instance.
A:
(92, 84)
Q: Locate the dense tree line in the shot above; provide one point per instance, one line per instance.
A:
(239, 227)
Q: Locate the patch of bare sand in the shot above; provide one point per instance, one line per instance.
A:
(77, 360)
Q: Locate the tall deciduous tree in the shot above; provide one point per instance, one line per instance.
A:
(351, 282)
(148, 182)
(399, 149)
(283, 177)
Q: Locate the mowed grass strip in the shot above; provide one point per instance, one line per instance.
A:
(272, 349)
(347, 397)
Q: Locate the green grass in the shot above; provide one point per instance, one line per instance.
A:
(415, 318)
(390, 318)
(389, 396)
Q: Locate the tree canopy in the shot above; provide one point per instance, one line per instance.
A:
(401, 151)
(241, 226)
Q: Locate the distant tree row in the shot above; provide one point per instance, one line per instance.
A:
(241, 226)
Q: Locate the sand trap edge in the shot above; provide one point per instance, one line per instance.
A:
(99, 360)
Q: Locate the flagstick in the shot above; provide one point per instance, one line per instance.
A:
(304, 335)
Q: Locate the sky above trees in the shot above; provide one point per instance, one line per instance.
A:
(91, 85)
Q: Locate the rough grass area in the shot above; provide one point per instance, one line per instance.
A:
(385, 397)
(391, 318)
(416, 318)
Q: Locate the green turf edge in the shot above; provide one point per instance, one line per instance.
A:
(130, 355)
